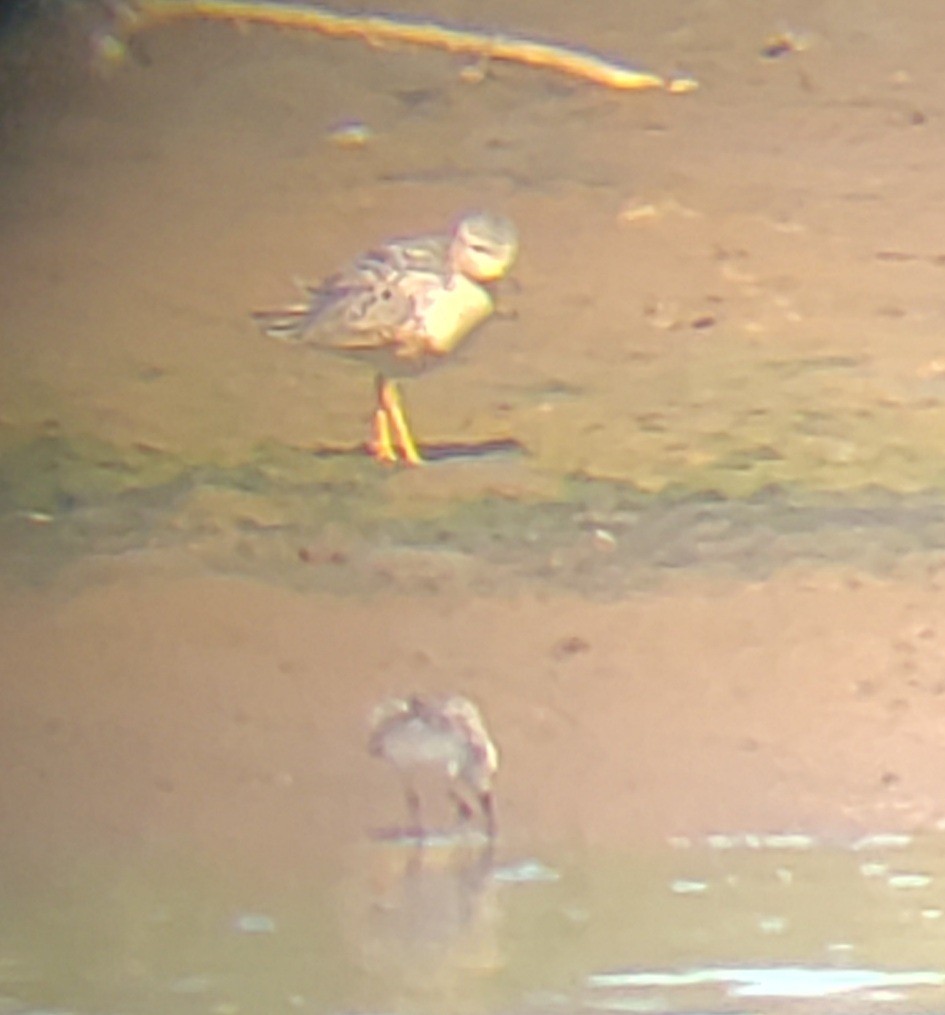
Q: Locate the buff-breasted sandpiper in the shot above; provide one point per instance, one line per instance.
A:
(403, 306)
(445, 735)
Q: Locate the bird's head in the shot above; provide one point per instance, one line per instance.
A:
(483, 246)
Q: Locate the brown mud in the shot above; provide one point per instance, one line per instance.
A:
(697, 585)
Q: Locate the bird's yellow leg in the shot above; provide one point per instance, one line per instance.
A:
(381, 448)
(389, 403)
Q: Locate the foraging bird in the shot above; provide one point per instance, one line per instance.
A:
(403, 307)
(445, 735)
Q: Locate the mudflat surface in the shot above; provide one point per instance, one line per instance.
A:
(725, 290)
(700, 590)
(232, 714)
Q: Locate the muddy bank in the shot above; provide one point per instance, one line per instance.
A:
(149, 705)
(724, 290)
(720, 365)
(701, 591)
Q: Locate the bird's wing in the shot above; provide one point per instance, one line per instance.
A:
(369, 305)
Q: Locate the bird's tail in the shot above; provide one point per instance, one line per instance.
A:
(300, 322)
(290, 324)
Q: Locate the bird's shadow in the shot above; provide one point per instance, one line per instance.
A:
(473, 449)
(445, 452)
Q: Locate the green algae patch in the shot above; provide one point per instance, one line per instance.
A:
(49, 474)
(339, 521)
(732, 418)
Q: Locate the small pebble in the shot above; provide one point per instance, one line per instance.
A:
(684, 887)
(350, 134)
(908, 880)
(526, 872)
(681, 85)
(882, 840)
(254, 923)
(772, 924)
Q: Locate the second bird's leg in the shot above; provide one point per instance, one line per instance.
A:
(488, 810)
(466, 812)
(462, 806)
(413, 809)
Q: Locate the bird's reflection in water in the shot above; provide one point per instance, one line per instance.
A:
(428, 926)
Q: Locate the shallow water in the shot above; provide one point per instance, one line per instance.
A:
(728, 924)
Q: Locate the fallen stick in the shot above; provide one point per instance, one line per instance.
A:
(377, 29)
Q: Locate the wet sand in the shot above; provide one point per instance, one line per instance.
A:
(724, 290)
(722, 347)
(743, 329)
(153, 706)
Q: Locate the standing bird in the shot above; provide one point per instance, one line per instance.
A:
(403, 307)
(443, 735)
